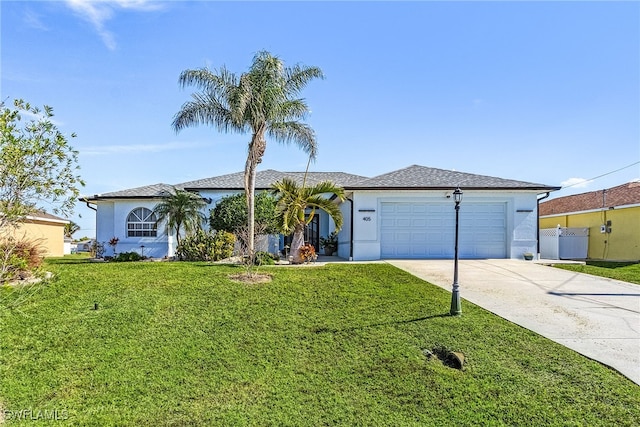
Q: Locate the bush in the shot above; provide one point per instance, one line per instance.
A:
(128, 256)
(96, 250)
(308, 253)
(223, 245)
(19, 258)
(265, 258)
(206, 246)
(230, 213)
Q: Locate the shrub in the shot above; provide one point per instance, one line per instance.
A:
(198, 246)
(128, 256)
(230, 213)
(308, 253)
(264, 258)
(96, 250)
(331, 241)
(206, 246)
(223, 245)
(19, 258)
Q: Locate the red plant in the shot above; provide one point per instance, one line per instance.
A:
(308, 253)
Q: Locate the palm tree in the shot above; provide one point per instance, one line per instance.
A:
(70, 228)
(263, 101)
(180, 209)
(296, 206)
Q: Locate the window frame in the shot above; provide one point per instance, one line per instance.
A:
(141, 222)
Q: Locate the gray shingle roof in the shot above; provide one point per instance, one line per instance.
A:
(422, 177)
(412, 177)
(148, 191)
(264, 180)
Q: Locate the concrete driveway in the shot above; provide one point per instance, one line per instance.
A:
(597, 317)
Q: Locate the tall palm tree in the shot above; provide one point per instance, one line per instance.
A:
(180, 209)
(263, 101)
(296, 205)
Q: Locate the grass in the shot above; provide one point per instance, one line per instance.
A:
(180, 344)
(625, 271)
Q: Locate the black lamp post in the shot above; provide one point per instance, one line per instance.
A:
(455, 293)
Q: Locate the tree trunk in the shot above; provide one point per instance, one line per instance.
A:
(256, 151)
(296, 243)
(249, 189)
(177, 235)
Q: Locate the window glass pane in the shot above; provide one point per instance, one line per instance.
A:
(141, 223)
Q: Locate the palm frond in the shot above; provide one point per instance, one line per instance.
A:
(299, 133)
(208, 80)
(204, 109)
(298, 76)
(293, 109)
(293, 201)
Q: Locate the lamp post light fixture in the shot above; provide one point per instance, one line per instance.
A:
(455, 293)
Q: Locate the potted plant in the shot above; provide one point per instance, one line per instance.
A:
(528, 256)
(329, 243)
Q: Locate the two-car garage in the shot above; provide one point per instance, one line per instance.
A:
(426, 230)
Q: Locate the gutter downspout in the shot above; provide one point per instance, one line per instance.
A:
(90, 207)
(351, 232)
(538, 223)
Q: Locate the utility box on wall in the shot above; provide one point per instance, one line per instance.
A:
(564, 243)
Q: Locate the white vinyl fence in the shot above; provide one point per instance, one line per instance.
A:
(564, 243)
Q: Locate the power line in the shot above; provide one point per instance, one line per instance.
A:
(600, 176)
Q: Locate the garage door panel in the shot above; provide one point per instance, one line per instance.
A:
(419, 237)
(418, 222)
(424, 230)
(387, 222)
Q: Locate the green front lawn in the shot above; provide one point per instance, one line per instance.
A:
(181, 344)
(625, 271)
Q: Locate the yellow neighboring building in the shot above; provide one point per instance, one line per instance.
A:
(47, 229)
(612, 216)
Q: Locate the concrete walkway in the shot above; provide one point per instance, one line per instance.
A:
(597, 317)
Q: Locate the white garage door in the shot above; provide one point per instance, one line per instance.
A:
(426, 230)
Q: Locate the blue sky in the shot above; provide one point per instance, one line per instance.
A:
(544, 92)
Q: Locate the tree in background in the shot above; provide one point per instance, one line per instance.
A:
(70, 229)
(37, 165)
(263, 101)
(38, 168)
(230, 213)
(181, 210)
(296, 206)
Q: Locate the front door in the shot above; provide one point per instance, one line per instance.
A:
(312, 232)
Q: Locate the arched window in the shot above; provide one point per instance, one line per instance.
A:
(141, 222)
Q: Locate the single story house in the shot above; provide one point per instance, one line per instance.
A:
(45, 229)
(407, 213)
(612, 216)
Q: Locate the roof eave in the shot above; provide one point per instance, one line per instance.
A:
(96, 199)
(449, 187)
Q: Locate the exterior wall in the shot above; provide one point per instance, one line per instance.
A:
(621, 244)
(521, 217)
(521, 220)
(50, 235)
(344, 235)
(111, 221)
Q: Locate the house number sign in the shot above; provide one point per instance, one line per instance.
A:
(366, 218)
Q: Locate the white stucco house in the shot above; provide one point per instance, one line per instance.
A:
(407, 213)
